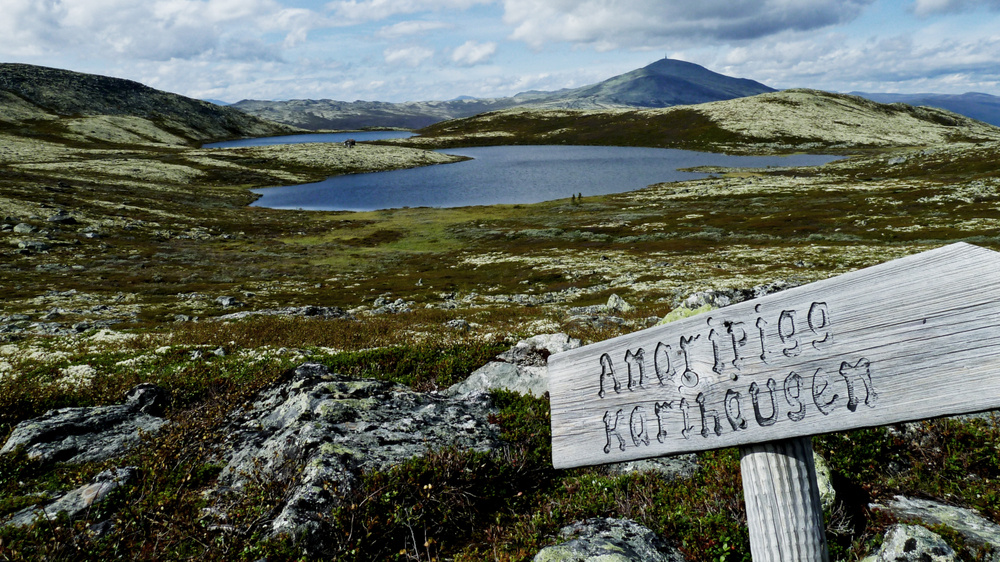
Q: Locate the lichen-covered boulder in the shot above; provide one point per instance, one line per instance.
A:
(978, 532)
(522, 368)
(673, 467)
(912, 543)
(824, 479)
(78, 435)
(609, 540)
(79, 502)
(319, 430)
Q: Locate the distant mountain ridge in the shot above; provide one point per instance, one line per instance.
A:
(983, 107)
(40, 93)
(664, 83)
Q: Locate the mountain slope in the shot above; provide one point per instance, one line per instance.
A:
(664, 83)
(34, 93)
(785, 121)
(984, 107)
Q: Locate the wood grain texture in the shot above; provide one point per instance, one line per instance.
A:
(910, 339)
(784, 513)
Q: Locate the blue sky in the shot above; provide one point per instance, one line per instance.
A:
(415, 50)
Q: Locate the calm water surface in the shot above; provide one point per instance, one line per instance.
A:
(313, 137)
(513, 174)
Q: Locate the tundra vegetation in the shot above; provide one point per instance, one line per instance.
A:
(124, 245)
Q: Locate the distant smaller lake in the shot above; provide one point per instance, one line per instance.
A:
(513, 174)
(313, 137)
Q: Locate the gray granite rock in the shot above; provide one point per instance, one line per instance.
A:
(912, 543)
(609, 540)
(978, 532)
(618, 305)
(671, 468)
(523, 368)
(78, 435)
(319, 430)
(824, 479)
(79, 502)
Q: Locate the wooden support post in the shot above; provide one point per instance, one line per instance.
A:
(784, 513)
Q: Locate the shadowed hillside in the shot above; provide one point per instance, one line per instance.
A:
(33, 94)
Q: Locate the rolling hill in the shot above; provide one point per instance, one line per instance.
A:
(983, 107)
(101, 108)
(785, 121)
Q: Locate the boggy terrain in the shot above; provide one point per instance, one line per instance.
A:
(128, 255)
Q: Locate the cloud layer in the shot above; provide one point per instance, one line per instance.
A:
(396, 50)
(673, 23)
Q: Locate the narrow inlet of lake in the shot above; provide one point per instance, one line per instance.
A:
(512, 175)
(359, 136)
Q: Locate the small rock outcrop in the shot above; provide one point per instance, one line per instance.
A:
(304, 311)
(523, 368)
(912, 543)
(333, 427)
(824, 479)
(977, 531)
(78, 435)
(79, 502)
(673, 467)
(609, 540)
(718, 298)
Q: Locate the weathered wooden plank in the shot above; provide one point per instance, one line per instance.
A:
(910, 339)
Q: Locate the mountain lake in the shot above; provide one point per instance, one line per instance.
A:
(359, 136)
(508, 175)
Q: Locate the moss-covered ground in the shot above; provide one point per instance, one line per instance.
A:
(162, 232)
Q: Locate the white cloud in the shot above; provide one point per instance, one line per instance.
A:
(407, 28)
(375, 10)
(410, 56)
(660, 23)
(472, 53)
(150, 30)
(890, 64)
(925, 8)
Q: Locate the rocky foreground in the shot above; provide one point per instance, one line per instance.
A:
(315, 432)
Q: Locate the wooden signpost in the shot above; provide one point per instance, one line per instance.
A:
(914, 338)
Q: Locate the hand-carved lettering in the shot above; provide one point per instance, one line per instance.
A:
(661, 362)
(825, 407)
(659, 409)
(718, 341)
(860, 370)
(793, 395)
(705, 414)
(689, 378)
(733, 413)
(638, 360)
(612, 429)
(738, 336)
(638, 418)
(765, 353)
(754, 391)
(608, 370)
(686, 432)
(819, 324)
(786, 331)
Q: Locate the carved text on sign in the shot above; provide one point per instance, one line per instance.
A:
(696, 387)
